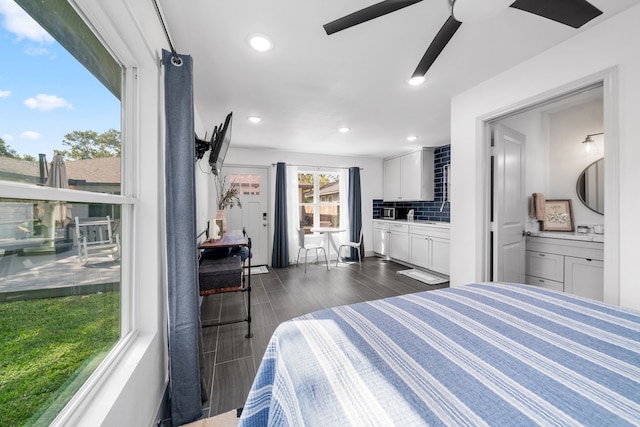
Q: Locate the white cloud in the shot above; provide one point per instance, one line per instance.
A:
(29, 134)
(37, 50)
(18, 22)
(46, 102)
(5, 93)
(7, 137)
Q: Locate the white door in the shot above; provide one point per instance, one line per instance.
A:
(509, 205)
(253, 216)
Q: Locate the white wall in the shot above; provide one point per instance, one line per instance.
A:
(572, 63)
(370, 176)
(567, 157)
(555, 156)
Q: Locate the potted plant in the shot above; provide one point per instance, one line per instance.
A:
(227, 197)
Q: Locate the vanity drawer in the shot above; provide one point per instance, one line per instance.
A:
(544, 283)
(545, 266)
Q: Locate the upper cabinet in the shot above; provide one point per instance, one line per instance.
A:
(409, 177)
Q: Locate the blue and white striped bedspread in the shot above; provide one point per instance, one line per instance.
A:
(480, 354)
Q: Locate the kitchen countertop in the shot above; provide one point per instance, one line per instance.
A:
(588, 237)
(418, 222)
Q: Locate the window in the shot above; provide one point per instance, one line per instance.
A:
(318, 200)
(51, 103)
(59, 316)
(248, 185)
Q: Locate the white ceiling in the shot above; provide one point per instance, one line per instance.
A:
(311, 84)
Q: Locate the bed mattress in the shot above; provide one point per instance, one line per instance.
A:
(479, 354)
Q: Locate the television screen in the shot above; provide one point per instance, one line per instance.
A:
(220, 145)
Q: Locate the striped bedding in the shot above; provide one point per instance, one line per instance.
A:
(479, 354)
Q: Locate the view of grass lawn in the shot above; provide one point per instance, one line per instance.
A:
(46, 344)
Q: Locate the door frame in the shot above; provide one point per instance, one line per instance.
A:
(608, 78)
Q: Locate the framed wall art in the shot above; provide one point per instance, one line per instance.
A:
(558, 215)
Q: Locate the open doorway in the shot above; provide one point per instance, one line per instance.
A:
(555, 164)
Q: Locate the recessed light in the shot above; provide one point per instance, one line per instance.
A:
(255, 119)
(260, 42)
(412, 138)
(417, 80)
(344, 130)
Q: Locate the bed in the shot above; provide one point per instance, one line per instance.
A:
(479, 354)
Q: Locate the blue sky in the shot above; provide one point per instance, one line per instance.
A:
(44, 92)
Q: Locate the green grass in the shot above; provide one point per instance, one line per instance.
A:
(47, 349)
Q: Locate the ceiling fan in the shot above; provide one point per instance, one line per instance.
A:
(574, 13)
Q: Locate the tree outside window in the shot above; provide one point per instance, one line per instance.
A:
(319, 200)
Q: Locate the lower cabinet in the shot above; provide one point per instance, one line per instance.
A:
(421, 245)
(429, 248)
(381, 238)
(584, 277)
(399, 242)
(571, 266)
(440, 255)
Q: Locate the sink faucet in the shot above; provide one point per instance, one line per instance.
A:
(442, 206)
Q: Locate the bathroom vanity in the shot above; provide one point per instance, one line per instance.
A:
(568, 262)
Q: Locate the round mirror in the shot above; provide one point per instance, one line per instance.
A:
(590, 186)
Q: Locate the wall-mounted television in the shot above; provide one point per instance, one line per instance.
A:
(220, 144)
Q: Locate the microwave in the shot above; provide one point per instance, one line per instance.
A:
(388, 213)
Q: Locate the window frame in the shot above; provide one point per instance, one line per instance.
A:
(110, 379)
(318, 203)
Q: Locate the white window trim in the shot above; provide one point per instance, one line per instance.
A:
(112, 395)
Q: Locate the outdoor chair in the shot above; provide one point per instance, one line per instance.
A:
(94, 236)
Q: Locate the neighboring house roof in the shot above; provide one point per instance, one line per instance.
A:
(15, 168)
(103, 170)
(331, 188)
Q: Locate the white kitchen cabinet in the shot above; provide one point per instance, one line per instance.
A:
(381, 238)
(420, 250)
(429, 247)
(392, 189)
(440, 249)
(399, 241)
(409, 177)
(413, 243)
(572, 266)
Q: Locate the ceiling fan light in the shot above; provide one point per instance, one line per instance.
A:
(416, 80)
(477, 10)
(412, 138)
(255, 119)
(344, 129)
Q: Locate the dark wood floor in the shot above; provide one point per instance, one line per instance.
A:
(231, 360)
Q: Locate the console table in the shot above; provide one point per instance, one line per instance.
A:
(226, 273)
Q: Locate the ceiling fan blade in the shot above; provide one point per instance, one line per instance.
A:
(437, 46)
(367, 14)
(574, 13)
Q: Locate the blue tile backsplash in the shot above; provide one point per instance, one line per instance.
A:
(426, 211)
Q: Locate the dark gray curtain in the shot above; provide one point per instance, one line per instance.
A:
(182, 260)
(280, 254)
(355, 211)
